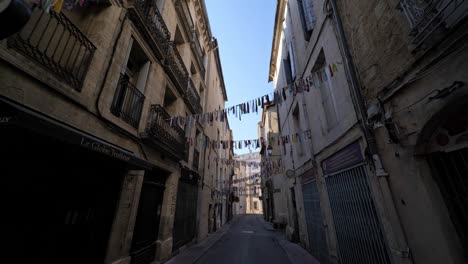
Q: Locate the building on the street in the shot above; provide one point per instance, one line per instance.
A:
(87, 96)
(411, 64)
(273, 187)
(330, 174)
(247, 184)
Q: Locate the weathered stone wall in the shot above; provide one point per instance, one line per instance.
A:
(402, 80)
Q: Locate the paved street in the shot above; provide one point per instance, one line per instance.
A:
(247, 241)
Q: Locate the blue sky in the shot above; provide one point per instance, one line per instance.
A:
(244, 29)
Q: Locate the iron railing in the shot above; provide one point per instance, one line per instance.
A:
(183, 11)
(54, 42)
(177, 66)
(154, 22)
(426, 16)
(167, 136)
(128, 102)
(193, 96)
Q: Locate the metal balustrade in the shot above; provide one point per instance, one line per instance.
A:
(55, 43)
(193, 96)
(154, 22)
(128, 102)
(426, 16)
(168, 137)
(176, 64)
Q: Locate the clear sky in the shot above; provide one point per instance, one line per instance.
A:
(244, 29)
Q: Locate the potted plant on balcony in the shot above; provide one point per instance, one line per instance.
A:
(15, 14)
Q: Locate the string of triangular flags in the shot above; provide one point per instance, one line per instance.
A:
(243, 179)
(206, 143)
(305, 84)
(271, 164)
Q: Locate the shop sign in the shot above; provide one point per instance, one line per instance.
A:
(104, 149)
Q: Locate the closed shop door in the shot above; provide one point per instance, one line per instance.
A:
(147, 223)
(358, 229)
(315, 230)
(186, 211)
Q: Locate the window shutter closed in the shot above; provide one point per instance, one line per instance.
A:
(309, 14)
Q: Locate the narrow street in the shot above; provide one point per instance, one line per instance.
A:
(246, 132)
(247, 241)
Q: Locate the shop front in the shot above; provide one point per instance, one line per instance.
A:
(62, 188)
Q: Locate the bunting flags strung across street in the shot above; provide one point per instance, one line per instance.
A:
(206, 143)
(243, 179)
(271, 164)
(315, 79)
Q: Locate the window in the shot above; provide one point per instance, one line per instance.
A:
(196, 151)
(297, 128)
(129, 95)
(306, 9)
(289, 68)
(255, 206)
(322, 79)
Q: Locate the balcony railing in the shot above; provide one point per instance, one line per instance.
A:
(177, 66)
(167, 137)
(128, 102)
(154, 23)
(427, 16)
(193, 96)
(55, 43)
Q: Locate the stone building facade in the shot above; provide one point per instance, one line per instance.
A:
(273, 187)
(330, 176)
(410, 59)
(88, 95)
(378, 179)
(247, 189)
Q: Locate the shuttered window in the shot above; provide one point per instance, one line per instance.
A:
(306, 9)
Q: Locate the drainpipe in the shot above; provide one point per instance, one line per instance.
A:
(397, 240)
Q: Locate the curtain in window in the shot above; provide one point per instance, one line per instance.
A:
(309, 16)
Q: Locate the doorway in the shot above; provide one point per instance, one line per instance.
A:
(148, 218)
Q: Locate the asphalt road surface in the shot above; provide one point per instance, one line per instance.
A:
(246, 242)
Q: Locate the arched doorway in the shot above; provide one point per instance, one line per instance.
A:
(445, 142)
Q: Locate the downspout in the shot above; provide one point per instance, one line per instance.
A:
(397, 240)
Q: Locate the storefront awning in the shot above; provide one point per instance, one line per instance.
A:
(16, 115)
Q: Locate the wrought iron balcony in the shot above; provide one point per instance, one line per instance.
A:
(55, 43)
(128, 102)
(177, 68)
(147, 17)
(164, 136)
(426, 17)
(193, 97)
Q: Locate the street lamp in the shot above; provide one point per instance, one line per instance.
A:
(270, 150)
